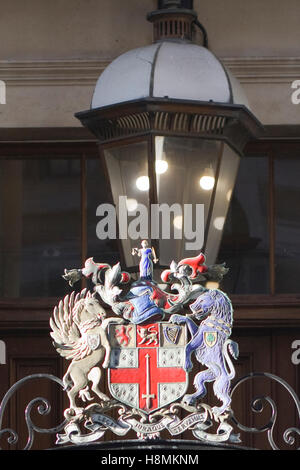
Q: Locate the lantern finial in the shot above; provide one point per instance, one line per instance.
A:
(173, 20)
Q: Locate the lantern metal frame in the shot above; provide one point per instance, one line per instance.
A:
(142, 120)
(232, 123)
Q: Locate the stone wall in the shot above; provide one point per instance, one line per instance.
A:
(53, 52)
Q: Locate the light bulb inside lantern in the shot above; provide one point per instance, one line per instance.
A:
(131, 204)
(219, 223)
(142, 183)
(207, 181)
(161, 166)
(177, 222)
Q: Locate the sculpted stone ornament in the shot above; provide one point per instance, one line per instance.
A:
(146, 347)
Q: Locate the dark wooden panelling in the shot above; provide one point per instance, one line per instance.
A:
(23, 367)
(255, 356)
(242, 398)
(27, 355)
(283, 367)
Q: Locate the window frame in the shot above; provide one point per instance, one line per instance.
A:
(45, 143)
(280, 142)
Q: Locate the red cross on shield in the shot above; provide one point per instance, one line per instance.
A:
(146, 372)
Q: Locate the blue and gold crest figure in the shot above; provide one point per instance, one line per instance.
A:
(148, 257)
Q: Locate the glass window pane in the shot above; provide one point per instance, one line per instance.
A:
(245, 242)
(39, 225)
(287, 207)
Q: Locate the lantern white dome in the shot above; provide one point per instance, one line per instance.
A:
(172, 69)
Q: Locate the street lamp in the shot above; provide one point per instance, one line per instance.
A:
(172, 124)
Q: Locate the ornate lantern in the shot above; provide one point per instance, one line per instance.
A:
(172, 124)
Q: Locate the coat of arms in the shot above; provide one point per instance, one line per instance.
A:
(151, 357)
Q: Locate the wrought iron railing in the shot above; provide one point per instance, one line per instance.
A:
(96, 433)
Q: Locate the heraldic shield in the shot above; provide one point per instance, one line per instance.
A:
(146, 364)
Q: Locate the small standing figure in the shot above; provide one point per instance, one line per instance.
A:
(148, 257)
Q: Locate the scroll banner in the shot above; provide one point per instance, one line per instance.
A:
(100, 423)
(172, 423)
(224, 434)
(73, 434)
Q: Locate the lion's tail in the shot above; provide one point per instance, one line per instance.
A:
(233, 348)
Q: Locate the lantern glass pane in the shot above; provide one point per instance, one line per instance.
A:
(187, 179)
(127, 168)
(97, 189)
(228, 169)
